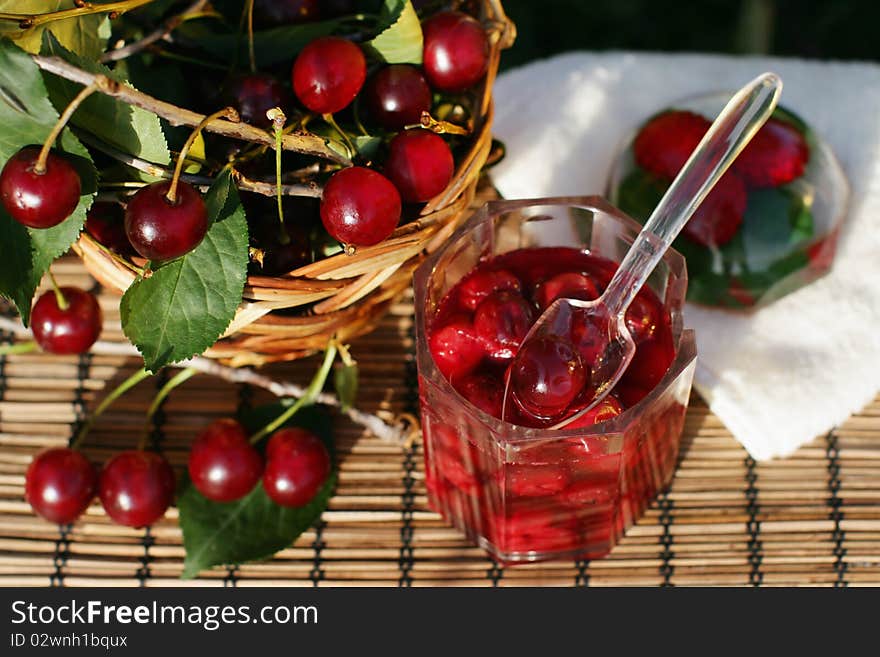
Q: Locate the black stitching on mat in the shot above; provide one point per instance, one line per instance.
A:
(666, 539)
(832, 452)
(62, 553)
(582, 579)
(316, 574)
(406, 560)
(495, 573)
(756, 554)
(143, 573)
(231, 579)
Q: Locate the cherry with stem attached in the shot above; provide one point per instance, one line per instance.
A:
(38, 188)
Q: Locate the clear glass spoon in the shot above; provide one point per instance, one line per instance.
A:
(542, 356)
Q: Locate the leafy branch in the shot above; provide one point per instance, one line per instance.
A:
(27, 21)
(307, 144)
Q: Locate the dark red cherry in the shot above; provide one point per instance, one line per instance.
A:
(328, 74)
(69, 331)
(39, 200)
(650, 362)
(106, 223)
(568, 285)
(136, 488)
(223, 465)
(501, 322)
(161, 230)
(481, 283)
(643, 316)
(284, 248)
(456, 52)
(419, 164)
(547, 376)
(360, 207)
(483, 391)
(297, 465)
(396, 96)
(456, 347)
(253, 95)
(284, 12)
(59, 484)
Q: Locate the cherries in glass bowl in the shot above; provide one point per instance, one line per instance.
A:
(523, 491)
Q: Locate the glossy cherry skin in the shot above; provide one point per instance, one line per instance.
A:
(501, 322)
(59, 484)
(106, 223)
(161, 230)
(419, 164)
(360, 207)
(567, 285)
(456, 347)
(253, 95)
(136, 488)
(69, 331)
(481, 283)
(456, 51)
(297, 465)
(39, 200)
(328, 74)
(223, 465)
(547, 376)
(396, 96)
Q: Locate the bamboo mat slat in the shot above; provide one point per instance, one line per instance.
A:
(810, 520)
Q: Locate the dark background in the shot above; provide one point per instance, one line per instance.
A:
(826, 29)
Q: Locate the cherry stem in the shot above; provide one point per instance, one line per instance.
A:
(59, 295)
(428, 122)
(120, 390)
(27, 21)
(250, 30)
(329, 118)
(40, 164)
(226, 113)
(278, 119)
(181, 377)
(308, 398)
(18, 348)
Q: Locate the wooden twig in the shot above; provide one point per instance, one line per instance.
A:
(156, 35)
(400, 432)
(27, 21)
(307, 144)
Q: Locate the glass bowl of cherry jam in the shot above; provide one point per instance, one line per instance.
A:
(520, 489)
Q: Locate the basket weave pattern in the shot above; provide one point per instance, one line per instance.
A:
(347, 294)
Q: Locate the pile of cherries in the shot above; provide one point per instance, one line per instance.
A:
(136, 487)
(482, 321)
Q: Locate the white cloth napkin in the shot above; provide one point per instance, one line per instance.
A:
(782, 375)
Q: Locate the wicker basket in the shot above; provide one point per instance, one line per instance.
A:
(346, 295)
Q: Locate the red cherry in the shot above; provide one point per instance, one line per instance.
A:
(568, 285)
(69, 331)
(328, 74)
(397, 95)
(456, 51)
(360, 207)
(59, 484)
(39, 200)
(650, 362)
(106, 223)
(419, 164)
(777, 154)
(161, 230)
(720, 214)
(483, 391)
(501, 322)
(547, 376)
(643, 316)
(667, 140)
(223, 465)
(136, 488)
(607, 409)
(536, 480)
(297, 465)
(480, 283)
(253, 95)
(456, 348)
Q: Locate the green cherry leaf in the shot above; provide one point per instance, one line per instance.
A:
(400, 40)
(85, 35)
(187, 303)
(130, 129)
(252, 528)
(345, 382)
(27, 117)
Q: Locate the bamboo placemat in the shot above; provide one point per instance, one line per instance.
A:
(811, 519)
